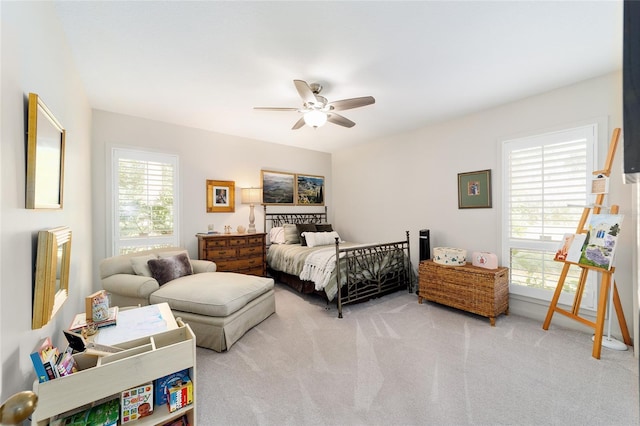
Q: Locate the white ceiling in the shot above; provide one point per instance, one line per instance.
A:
(207, 64)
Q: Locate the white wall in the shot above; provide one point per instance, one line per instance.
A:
(203, 155)
(35, 58)
(409, 181)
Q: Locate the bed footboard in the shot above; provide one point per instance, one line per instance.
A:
(370, 271)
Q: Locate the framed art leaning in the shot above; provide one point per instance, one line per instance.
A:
(474, 190)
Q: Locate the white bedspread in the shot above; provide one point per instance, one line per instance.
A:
(318, 267)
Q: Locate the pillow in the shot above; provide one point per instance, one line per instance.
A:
(315, 239)
(139, 264)
(276, 235)
(323, 227)
(290, 234)
(166, 269)
(302, 228)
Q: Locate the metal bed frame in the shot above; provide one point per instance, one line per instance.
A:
(369, 270)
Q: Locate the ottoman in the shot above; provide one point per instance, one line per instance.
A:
(220, 307)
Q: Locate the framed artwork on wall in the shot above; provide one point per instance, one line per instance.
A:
(278, 187)
(474, 190)
(45, 157)
(221, 196)
(310, 190)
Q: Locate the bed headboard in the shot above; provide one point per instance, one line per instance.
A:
(279, 218)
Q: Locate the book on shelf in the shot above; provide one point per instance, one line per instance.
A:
(161, 385)
(136, 403)
(80, 320)
(43, 351)
(100, 414)
(66, 364)
(182, 421)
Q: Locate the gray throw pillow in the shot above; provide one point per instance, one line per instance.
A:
(166, 269)
(323, 227)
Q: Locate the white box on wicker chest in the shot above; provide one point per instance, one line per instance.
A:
(470, 288)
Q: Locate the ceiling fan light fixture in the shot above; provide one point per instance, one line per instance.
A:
(315, 118)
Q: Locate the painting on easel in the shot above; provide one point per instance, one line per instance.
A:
(602, 236)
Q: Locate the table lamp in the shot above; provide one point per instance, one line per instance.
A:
(251, 196)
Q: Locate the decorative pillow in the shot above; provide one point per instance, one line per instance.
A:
(172, 253)
(323, 227)
(139, 264)
(302, 228)
(315, 239)
(276, 235)
(290, 234)
(166, 269)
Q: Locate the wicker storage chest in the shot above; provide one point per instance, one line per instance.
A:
(470, 288)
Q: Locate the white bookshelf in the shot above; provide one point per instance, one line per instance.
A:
(143, 360)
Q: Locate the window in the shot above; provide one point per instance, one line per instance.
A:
(545, 190)
(145, 203)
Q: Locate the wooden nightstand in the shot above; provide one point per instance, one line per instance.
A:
(242, 253)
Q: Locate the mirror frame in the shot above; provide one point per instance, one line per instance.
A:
(51, 280)
(45, 157)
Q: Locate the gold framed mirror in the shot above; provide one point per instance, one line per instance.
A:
(45, 157)
(51, 280)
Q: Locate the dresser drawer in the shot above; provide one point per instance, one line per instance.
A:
(250, 251)
(239, 264)
(215, 243)
(236, 242)
(255, 241)
(221, 253)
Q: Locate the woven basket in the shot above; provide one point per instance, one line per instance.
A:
(470, 288)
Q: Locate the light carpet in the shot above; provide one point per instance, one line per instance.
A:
(393, 361)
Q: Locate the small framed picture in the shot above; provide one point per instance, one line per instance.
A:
(474, 190)
(221, 196)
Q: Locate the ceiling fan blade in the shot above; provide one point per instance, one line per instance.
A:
(352, 103)
(298, 124)
(275, 109)
(305, 91)
(339, 120)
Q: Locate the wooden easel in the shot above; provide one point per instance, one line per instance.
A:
(606, 279)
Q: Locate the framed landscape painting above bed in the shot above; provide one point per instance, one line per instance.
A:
(310, 190)
(278, 187)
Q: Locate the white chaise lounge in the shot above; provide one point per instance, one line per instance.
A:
(220, 307)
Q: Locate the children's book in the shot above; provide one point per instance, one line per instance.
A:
(101, 414)
(602, 238)
(80, 320)
(97, 306)
(136, 402)
(67, 363)
(163, 383)
(43, 352)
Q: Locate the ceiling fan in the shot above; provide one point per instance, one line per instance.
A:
(317, 110)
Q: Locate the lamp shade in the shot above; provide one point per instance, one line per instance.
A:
(315, 118)
(251, 195)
